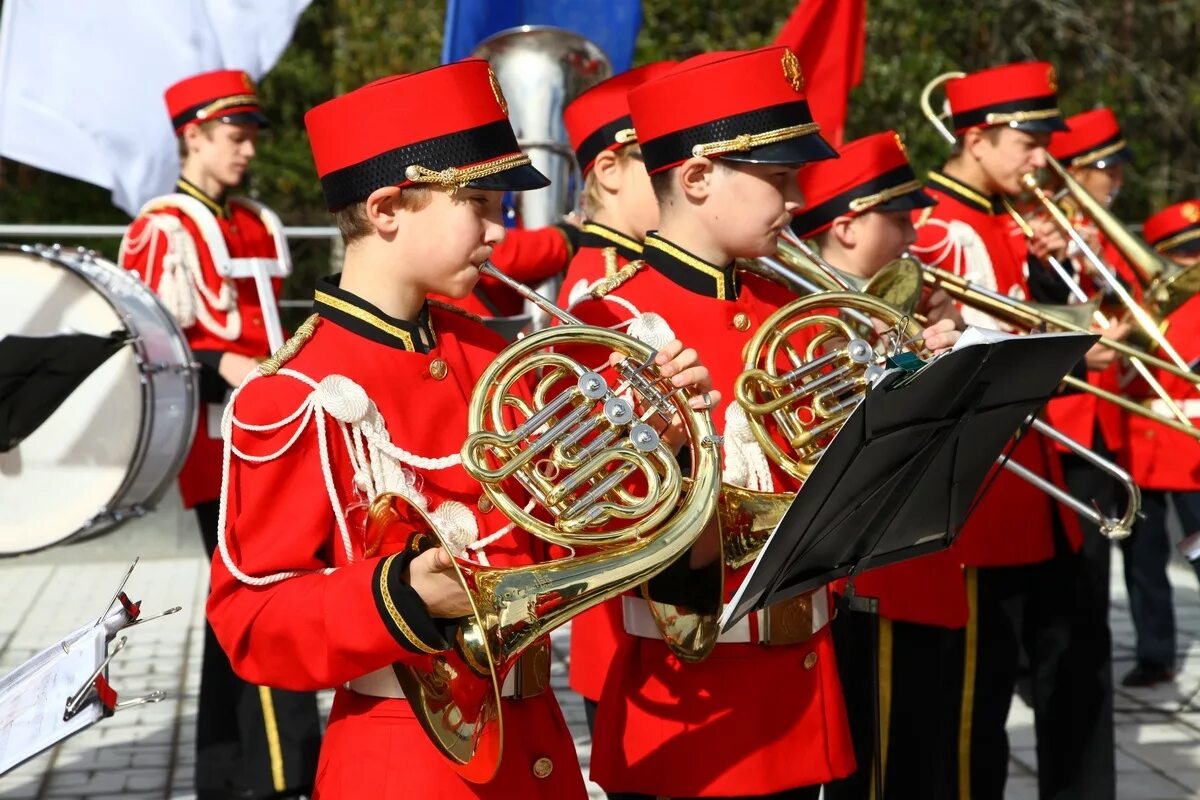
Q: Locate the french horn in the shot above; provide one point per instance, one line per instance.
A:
(573, 456)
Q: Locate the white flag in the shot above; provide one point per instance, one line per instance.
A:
(82, 82)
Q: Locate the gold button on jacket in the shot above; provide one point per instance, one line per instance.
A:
(438, 369)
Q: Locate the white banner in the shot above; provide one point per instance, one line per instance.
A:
(82, 82)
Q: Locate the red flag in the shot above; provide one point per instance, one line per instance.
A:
(830, 37)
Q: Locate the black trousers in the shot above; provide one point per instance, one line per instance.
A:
(1057, 611)
(251, 741)
(912, 674)
(1147, 553)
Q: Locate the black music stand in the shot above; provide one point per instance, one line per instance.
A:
(900, 478)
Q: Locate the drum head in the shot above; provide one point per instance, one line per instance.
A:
(67, 471)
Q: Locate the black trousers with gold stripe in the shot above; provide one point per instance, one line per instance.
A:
(251, 741)
(911, 674)
(1057, 611)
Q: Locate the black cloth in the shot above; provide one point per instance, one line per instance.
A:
(1147, 552)
(923, 680)
(38, 373)
(234, 742)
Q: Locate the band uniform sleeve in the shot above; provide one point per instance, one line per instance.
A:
(530, 256)
(313, 629)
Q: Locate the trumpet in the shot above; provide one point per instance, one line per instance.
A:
(569, 451)
(773, 401)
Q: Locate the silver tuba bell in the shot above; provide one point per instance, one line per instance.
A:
(541, 69)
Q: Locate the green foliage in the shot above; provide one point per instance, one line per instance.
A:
(1138, 57)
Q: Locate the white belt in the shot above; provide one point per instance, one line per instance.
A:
(1190, 407)
(640, 622)
(383, 683)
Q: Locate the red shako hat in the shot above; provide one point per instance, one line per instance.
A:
(225, 94)
(870, 174)
(746, 106)
(1022, 96)
(1175, 229)
(1094, 140)
(446, 126)
(599, 120)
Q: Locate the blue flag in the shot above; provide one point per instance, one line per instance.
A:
(612, 24)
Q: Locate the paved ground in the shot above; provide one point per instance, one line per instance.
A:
(146, 752)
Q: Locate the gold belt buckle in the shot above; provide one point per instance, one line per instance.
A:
(532, 671)
(789, 622)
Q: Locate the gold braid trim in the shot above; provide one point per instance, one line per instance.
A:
(462, 312)
(610, 261)
(1098, 155)
(458, 177)
(1020, 116)
(1176, 240)
(614, 281)
(290, 348)
(749, 141)
(227, 102)
(393, 612)
(891, 193)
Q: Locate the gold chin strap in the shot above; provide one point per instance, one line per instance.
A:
(749, 141)
(1021, 116)
(1169, 244)
(1087, 159)
(860, 204)
(458, 177)
(625, 136)
(226, 102)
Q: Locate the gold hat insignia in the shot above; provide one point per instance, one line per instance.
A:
(497, 91)
(1191, 212)
(791, 70)
(1052, 78)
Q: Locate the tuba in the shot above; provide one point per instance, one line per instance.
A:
(540, 70)
(567, 456)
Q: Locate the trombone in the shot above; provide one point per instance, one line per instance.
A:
(901, 287)
(1148, 261)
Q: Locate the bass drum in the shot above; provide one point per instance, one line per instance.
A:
(116, 444)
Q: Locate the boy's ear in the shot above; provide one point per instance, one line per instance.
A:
(607, 170)
(382, 208)
(694, 177)
(844, 232)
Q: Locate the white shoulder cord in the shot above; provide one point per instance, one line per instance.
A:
(375, 460)
(182, 287)
(970, 260)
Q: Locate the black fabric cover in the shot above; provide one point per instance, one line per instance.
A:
(37, 373)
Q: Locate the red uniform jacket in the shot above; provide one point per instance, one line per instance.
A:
(968, 233)
(602, 251)
(161, 246)
(1158, 457)
(750, 719)
(528, 256)
(320, 627)
(596, 632)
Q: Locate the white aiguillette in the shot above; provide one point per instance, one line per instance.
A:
(65, 688)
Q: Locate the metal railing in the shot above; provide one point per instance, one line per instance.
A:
(63, 234)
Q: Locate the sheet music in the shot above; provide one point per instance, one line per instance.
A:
(33, 698)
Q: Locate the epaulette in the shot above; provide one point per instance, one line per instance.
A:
(923, 217)
(462, 312)
(290, 348)
(618, 278)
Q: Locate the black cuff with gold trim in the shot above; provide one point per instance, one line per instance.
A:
(401, 608)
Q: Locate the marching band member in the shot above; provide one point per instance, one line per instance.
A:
(722, 136)
(620, 208)
(370, 398)
(251, 741)
(1166, 464)
(1026, 584)
(617, 200)
(858, 209)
